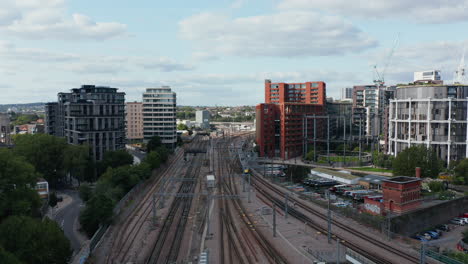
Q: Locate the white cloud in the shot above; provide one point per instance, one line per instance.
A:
(89, 64)
(428, 11)
(437, 55)
(283, 34)
(40, 19)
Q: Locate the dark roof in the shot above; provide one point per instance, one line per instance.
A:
(402, 179)
(373, 178)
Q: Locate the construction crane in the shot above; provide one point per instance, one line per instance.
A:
(460, 72)
(379, 77)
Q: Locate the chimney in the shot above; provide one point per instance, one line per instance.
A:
(418, 172)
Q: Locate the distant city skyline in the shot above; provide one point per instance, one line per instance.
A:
(220, 52)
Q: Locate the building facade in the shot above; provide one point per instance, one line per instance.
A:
(280, 125)
(202, 117)
(5, 133)
(134, 121)
(401, 194)
(308, 93)
(432, 75)
(431, 115)
(91, 115)
(159, 115)
(347, 93)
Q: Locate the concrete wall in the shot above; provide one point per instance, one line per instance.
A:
(426, 218)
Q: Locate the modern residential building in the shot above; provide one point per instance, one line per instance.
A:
(202, 117)
(92, 115)
(134, 121)
(369, 105)
(5, 132)
(159, 115)
(432, 115)
(347, 94)
(308, 92)
(280, 120)
(432, 75)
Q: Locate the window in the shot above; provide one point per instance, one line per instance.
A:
(314, 84)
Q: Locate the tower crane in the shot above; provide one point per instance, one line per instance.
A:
(379, 76)
(460, 72)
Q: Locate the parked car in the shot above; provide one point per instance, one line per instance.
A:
(464, 219)
(457, 221)
(443, 227)
(433, 234)
(420, 237)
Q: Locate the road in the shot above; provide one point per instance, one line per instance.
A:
(67, 218)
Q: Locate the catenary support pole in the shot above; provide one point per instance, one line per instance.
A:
(274, 220)
(286, 206)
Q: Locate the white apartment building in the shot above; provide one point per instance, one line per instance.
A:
(159, 115)
(432, 75)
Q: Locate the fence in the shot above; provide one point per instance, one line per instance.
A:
(441, 258)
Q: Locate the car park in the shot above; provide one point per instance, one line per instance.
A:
(420, 238)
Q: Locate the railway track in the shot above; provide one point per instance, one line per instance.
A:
(251, 244)
(168, 242)
(133, 224)
(261, 184)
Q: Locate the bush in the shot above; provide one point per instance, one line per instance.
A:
(436, 186)
(86, 192)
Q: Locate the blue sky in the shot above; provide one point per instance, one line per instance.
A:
(220, 52)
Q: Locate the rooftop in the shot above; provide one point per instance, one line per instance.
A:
(402, 179)
(343, 175)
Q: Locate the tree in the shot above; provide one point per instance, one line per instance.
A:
(114, 159)
(153, 143)
(436, 186)
(417, 156)
(182, 127)
(461, 170)
(7, 257)
(98, 210)
(76, 161)
(45, 153)
(153, 159)
(86, 192)
(53, 200)
(34, 241)
(17, 176)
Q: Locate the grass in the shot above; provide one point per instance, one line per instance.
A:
(372, 169)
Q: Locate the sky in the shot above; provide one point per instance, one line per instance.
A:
(220, 52)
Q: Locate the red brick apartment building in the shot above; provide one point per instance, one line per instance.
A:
(280, 122)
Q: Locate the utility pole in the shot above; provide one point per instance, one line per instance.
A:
(274, 220)
(360, 143)
(248, 194)
(422, 259)
(329, 218)
(286, 206)
(337, 250)
(315, 139)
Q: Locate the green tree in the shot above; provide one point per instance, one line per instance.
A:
(53, 200)
(45, 153)
(17, 177)
(114, 159)
(121, 177)
(461, 170)
(436, 186)
(154, 143)
(98, 211)
(34, 241)
(417, 156)
(7, 257)
(76, 161)
(182, 127)
(153, 159)
(85, 191)
(23, 119)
